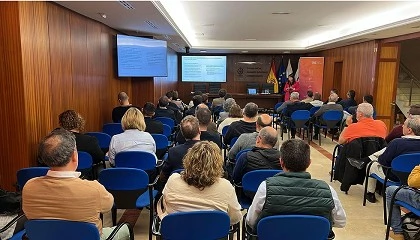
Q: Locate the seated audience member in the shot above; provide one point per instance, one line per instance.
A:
(118, 112)
(220, 100)
(206, 100)
(181, 105)
(294, 192)
(349, 102)
(211, 127)
(352, 110)
(190, 130)
(198, 93)
(247, 140)
(331, 105)
(61, 194)
(163, 110)
(203, 115)
(134, 138)
(294, 97)
(409, 143)
(235, 114)
(227, 105)
(152, 126)
(291, 108)
(365, 127)
(406, 195)
(397, 131)
(197, 99)
(317, 100)
(172, 106)
(245, 125)
(262, 156)
(74, 122)
(309, 97)
(334, 90)
(228, 95)
(200, 186)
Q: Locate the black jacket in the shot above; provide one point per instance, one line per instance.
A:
(90, 145)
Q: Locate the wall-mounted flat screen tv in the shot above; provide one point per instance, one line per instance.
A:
(141, 57)
(203, 68)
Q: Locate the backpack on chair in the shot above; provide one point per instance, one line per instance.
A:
(411, 226)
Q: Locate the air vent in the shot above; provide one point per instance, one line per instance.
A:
(152, 24)
(167, 37)
(127, 5)
(358, 40)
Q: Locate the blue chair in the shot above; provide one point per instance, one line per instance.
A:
(179, 170)
(136, 159)
(331, 119)
(224, 146)
(275, 114)
(162, 144)
(104, 140)
(130, 188)
(300, 120)
(336, 151)
(168, 121)
(52, 229)
(203, 225)
(313, 110)
(230, 165)
(25, 174)
(293, 227)
(112, 129)
(85, 165)
(402, 204)
(18, 235)
(167, 130)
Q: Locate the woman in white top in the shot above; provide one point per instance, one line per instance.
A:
(134, 138)
(235, 114)
(200, 186)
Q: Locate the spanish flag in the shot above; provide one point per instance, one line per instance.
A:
(272, 77)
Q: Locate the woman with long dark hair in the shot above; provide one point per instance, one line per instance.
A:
(291, 86)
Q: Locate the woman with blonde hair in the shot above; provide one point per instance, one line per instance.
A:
(235, 114)
(200, 186)
(134, 138)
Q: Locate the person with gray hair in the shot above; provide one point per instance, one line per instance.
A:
(262, 156)
(366, 126)
(408, 143)
(331, 105)
(61, 194)
(294, 97)
(227, 105)
(245, 125)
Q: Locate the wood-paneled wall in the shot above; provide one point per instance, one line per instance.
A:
(52, 60)
(358, 72)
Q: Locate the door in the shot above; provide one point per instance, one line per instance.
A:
(338, 75)
(386, 82)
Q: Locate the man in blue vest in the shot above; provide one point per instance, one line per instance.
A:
(294, 192)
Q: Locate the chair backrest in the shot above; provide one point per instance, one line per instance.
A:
(161, 141)
(233, 141)
(46, 229)
(242, 151)
(404, 164)
(300, 117)
(85, 161)
(112, 129)
(167, 130)
(313, 110)
(179, 170)
(165, 120)
(25, 174)
(277, 106)
(103, 138)
(125, 184)
(252, 180)
(135, 159)
(225, 129)
(292, 227)
(332, 117)
(203, 225)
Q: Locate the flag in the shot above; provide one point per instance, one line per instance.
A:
(297, 72)
(289, 69)
(272, 76)
(281, 75)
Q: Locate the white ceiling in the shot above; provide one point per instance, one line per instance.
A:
(228, 26)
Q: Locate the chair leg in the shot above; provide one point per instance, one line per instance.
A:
(388, 225)
(365, 192)
(332, 168)
(384, 201)
(114, 216)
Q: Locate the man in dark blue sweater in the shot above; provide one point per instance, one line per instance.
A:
(408, 143)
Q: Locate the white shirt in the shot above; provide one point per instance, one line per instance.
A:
(316, 103)
(131, 140)
(63, 174)
(254, 211)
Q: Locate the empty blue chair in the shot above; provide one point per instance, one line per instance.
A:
(103, 138)
(130, 188)
(168, 121)
(162, 144)
(112, 129)
(136, 159)
(313, 110)
(85, 165)
(331, 119)
(293, 227)
(300, 120)
(25, 174)
(203, 225)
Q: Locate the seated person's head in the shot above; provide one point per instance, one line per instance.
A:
(222, 92)
(122, 98)
(368, 99)
(58, 149)
(364, 110)
(198, 93)
(170, 95)
(205, 98)
(227, 95)
(202, 105)
(334, 90)
(149, 109)
(203, 165)
(190, 127)
(251, 110)
(133, 119)
(267, 137)
(228, 104)
(412, 125)
(310, 93)
(71, 120)
(175, 94)
(294, 96)
(235, 111)
(414, 110)
(197, 99)
(163, 101)
(317, 96)
(333, 97)
(295, 155)
(264, 120)
(203, 115)
(351, 94)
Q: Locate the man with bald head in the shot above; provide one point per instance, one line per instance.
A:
(118, 112)
(262, 156)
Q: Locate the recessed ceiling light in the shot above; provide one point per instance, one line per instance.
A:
(203, 51)
(280, 13)
(244, 51)
(286, 52)
(250, 39)
(103, 15)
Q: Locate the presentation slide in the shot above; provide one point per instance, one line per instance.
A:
(203, 69)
